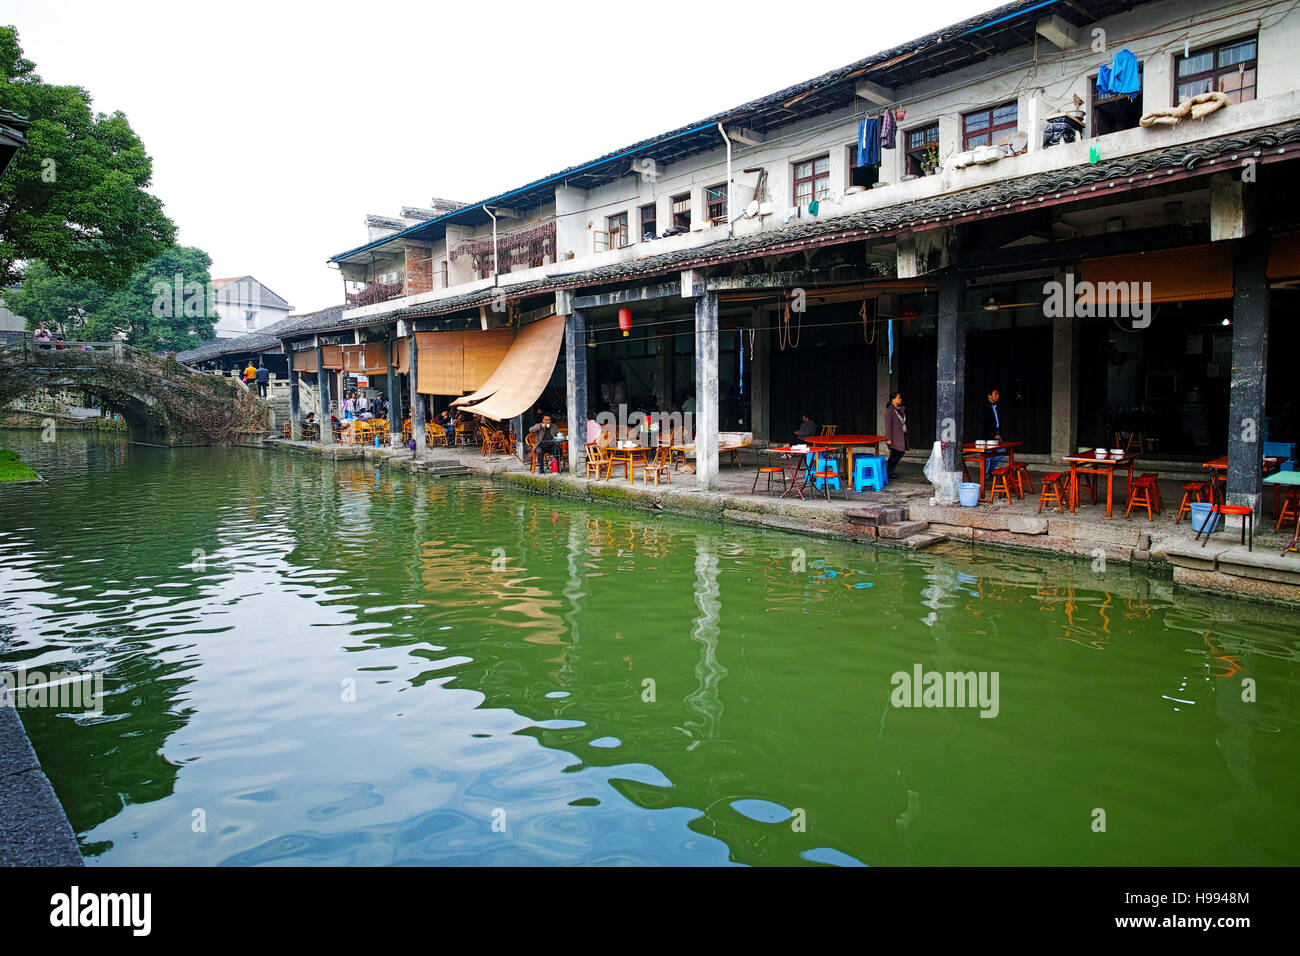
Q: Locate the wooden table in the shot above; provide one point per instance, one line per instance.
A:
(1277, 480)
(1089, 463)
(626, 455)
(981, 454)
(1219, 473)
(800, 469)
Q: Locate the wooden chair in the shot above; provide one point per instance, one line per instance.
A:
(1021, 474)
(597, 461)
(530, 451)
(1001, 484)
(1290, 501)
(435, 434)
(1155, 483)
(828, 430)
(286, 430)
(1193, 491)
(406, 431)
(495, 441)
(659, 467)
(1143, 495)
(464, 433)
(1053, 489)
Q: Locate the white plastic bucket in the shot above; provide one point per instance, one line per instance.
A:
(969, 494)
(1201, 516)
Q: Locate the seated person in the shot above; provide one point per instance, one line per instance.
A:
(547, 440)
(807, 429)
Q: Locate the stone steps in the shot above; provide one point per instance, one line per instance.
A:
(923, 540)
(900, 530)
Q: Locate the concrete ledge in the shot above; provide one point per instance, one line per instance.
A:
(34, 831)
(1259, 590)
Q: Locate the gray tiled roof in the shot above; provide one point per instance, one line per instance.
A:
(263, 339)
(868, 223)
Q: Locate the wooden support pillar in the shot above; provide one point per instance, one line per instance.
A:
(575, 380)
(295, 412)
(1065, 381)
(950, 392)
(706, 391)
(394, 394)
(760, 375)
(417, 400)
(1246, 392)
(323, 397)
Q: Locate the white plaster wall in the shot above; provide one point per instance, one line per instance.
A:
(1041, 78)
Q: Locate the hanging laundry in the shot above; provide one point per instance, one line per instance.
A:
(1120, 78)
(888, 129)
(813, 207)
(869, 141)
(1103, 82)
(891, 346)
(1124, 77)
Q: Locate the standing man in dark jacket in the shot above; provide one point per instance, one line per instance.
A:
(263, 376)
(895, 432)
(991, 430)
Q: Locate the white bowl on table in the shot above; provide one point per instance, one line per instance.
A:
(1117, 452)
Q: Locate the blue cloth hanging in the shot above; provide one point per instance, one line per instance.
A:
(869, 141)
(1120, 78)
(891, 346)
(1124, 79)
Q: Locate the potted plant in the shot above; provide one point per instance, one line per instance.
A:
(930, 160)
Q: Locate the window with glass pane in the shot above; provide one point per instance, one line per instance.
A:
(715, 202)
(919, 143)
(617, 228)
(812, 180)
(992, 125)
(682, 211)
(1229, 69)
(649, 226)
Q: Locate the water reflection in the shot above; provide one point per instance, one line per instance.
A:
(519, 687)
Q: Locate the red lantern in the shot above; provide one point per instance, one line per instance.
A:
(900, 114)
(625, 320)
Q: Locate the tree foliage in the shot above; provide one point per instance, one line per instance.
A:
(75, 196)
(64, 304)
(168, 304)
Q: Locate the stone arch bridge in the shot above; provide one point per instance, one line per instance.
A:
(162, 401)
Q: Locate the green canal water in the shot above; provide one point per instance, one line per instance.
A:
(311, 663)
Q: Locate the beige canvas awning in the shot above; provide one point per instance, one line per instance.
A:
(522, 375)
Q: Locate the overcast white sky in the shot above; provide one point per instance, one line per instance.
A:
(275, 127)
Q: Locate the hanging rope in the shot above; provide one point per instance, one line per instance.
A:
(868, 328)
(785, 336)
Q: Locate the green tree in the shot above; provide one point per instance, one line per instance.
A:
(74, 196)
(65, 304)
(167, 305)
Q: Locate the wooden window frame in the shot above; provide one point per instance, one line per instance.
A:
(917, 153)
(652, 222)
(1216, 72)
(617, 226)
(683, 200)
(992, 130)
(720, 188)
(820, 183)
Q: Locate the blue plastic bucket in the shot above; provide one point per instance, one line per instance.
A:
(1201, 516)
(969, 493)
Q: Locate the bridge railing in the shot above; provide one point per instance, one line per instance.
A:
(61, 354)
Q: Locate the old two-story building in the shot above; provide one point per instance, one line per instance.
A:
(245, 305)
(1082, 203)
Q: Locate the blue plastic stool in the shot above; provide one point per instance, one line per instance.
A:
(869, 472)
(827, 463)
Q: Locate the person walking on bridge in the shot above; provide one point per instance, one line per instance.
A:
(250, 373)
(263, 375)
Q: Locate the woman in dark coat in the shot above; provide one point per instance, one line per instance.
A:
(895, 431)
